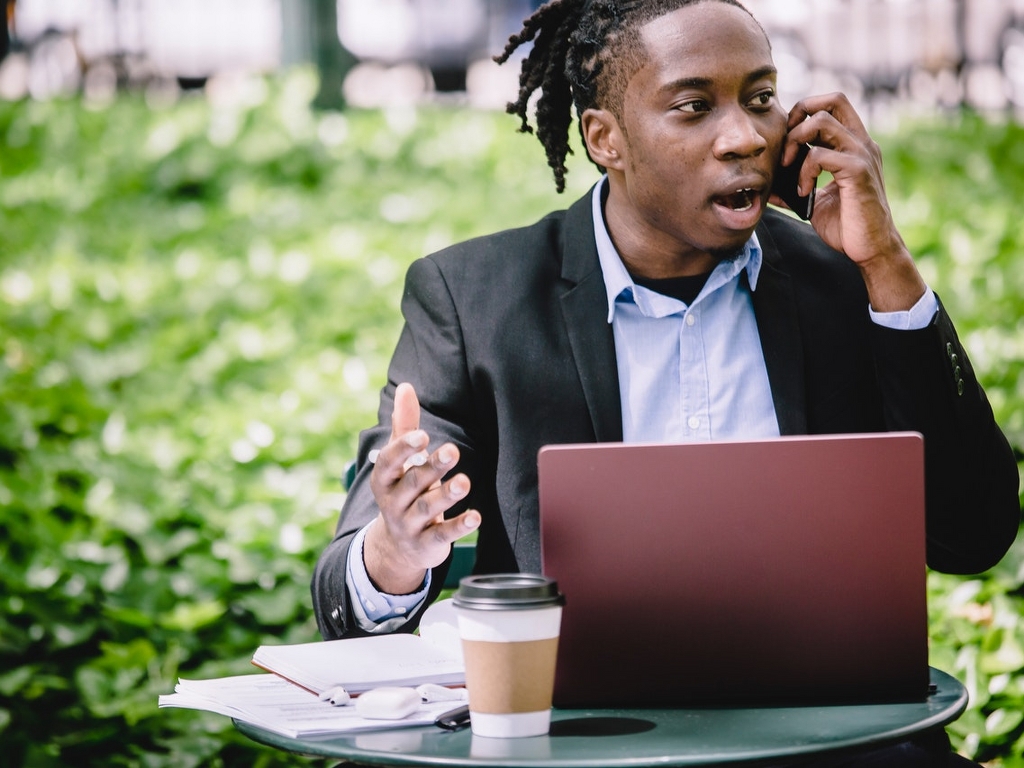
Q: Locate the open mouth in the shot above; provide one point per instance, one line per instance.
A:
(740, 200)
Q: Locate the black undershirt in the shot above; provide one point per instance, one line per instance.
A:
(686, 289)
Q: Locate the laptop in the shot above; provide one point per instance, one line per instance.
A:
(786, 571)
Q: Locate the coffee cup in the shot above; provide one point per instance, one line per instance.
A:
(509, 625)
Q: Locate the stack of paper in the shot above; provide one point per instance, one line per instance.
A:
(361, 663)
(272, 703)
(358, 664)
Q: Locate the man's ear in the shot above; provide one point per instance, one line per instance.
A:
(603, 138)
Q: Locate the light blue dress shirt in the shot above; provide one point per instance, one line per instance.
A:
(692, 372)
(686, 373)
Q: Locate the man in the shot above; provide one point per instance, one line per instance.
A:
(669, 304)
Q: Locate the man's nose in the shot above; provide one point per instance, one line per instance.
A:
(739, 136)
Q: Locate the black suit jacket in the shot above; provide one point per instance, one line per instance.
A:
(507, 343)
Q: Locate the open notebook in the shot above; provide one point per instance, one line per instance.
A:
(762, 572)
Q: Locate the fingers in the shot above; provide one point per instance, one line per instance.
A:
(825, 121)
(450, 531)
(429, 506)
(417, 537)
(407, 482)
(407, 477)
(399, 455)
(840, 143)
(405, 417)
(835, 105)
(405, 471)
(426, 513)
(408, 442)
(397, 565)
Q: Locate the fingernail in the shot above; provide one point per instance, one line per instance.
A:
(415, 438)
(446, 455)
(458, 487)
(416, 460)
(472, 520)
(373, 455)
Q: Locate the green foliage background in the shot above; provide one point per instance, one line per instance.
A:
(197, 305)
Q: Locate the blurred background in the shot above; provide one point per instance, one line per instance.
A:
(926, 53)
(207, 208)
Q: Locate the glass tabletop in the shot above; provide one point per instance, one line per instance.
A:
(634, 738)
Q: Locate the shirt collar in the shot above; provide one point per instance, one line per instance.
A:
(617, 279)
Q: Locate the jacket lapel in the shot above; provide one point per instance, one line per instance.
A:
(585, 309)
(779, 329)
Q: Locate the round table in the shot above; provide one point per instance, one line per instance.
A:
(634, 738)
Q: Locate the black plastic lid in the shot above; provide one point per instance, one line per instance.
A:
(507, 592)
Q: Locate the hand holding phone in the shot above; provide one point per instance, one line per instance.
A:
(785, 182)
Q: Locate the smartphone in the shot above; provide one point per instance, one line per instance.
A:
(784, 185)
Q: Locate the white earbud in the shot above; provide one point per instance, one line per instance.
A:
(337, 696)
(432, 692)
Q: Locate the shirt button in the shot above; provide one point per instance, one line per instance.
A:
(693, 422)
(400, 610)
(369, 605)
(690, 320)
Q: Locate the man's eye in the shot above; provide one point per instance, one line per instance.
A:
(695, 105)
(763, 99)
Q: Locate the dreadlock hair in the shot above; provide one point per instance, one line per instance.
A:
(584, 53)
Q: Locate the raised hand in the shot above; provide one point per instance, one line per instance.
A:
(851, 213)
(411, 535)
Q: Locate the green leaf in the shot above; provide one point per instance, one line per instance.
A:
(1001, 652)
(16, 679)
(189, 617)
(271, 608)
(1002, 722)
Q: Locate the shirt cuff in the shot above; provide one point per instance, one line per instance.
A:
(375, 611)
(914, 319)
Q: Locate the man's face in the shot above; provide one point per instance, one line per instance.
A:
(701, 134)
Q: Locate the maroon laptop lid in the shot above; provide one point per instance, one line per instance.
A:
(781, 571)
